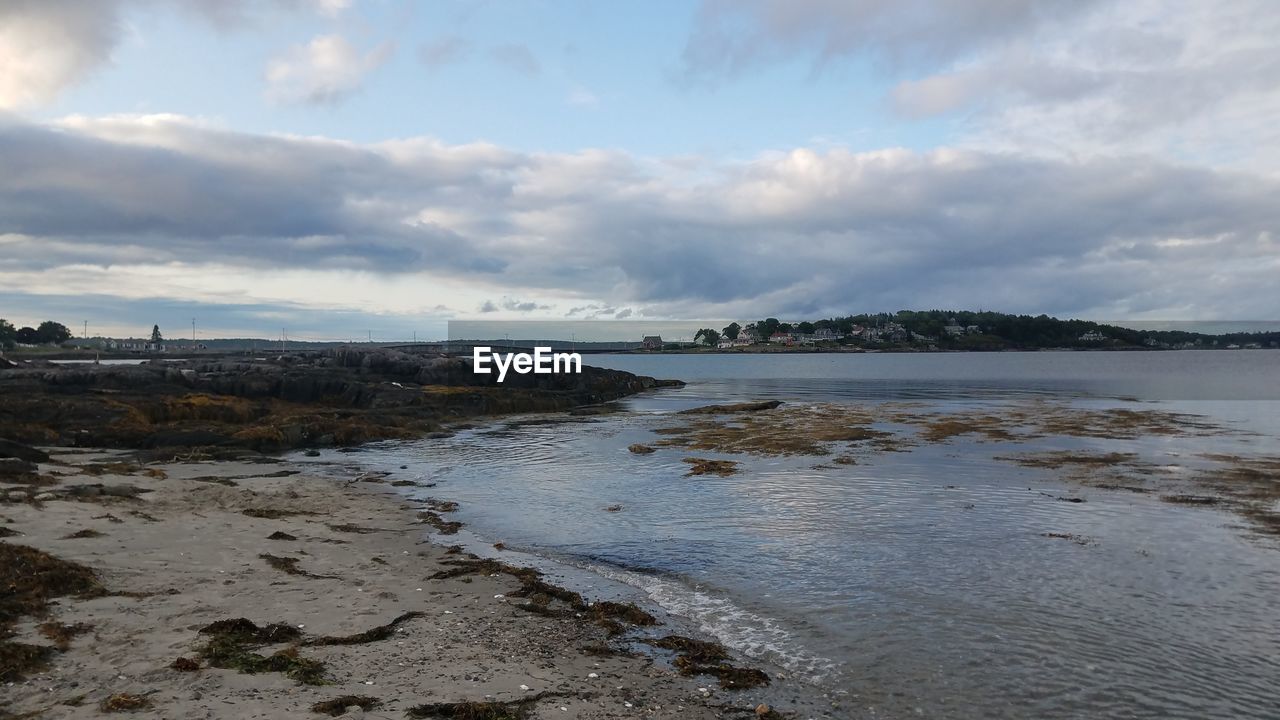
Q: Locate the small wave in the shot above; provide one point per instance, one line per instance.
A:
(738, 628)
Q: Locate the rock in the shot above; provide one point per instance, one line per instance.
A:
(13, 467)
(11, 449)
(45, 496)
(16, 496)
(734, 408)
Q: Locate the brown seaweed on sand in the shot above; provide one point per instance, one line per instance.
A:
(30, 579)
(701, 657)
(290, 565)
(338, 706)
(124, 702)
(381, 632)
(231, 644)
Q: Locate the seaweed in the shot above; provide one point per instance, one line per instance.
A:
(32, 577)
(442, 526)
(274, 513)
(703, 466)
(290, 565)
(697, 651)
(232, 641)
(443, 506)
(82, 534)
(338, 706)
(701, 657)
(124, 702)
(62, 633)
(17, 659)
(185, 664)
(381, 632)
(475, 710)
(278, 535)
(351, 528)
(640, 449)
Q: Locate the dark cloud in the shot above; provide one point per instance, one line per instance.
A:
(801, 232)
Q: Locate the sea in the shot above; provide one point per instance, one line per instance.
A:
(942, 581)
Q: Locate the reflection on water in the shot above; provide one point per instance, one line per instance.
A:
(918, 582)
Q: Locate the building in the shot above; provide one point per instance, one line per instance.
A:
(652, 342)
(1093, 336)
(781, 338)
(825, 334)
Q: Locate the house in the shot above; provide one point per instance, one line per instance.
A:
(825, 334)
(781, 338)
(747, 336)
(652, 342)
(972, 330)
(1093, 336)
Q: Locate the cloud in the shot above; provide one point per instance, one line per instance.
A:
(517, 58)
(47, 46)
(731, 36)
(1180, 79)
(602, 232)
(443, 50)
(511, 305)
(325, 71)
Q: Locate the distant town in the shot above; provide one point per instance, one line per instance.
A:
(903, 331)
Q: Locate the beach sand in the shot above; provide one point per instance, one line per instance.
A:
(192, 556)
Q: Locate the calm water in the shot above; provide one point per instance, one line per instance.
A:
(915, 583)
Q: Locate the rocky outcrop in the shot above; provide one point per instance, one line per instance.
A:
(341, 396)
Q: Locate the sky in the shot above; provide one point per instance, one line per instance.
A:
(337, 169)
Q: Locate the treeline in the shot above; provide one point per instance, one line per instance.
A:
(47, 333)
(997, 330)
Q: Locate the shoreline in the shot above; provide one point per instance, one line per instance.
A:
(188, 556)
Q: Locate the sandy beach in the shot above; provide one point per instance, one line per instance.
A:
(334, 582)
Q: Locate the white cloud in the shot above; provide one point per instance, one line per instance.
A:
(325, 71)
(46, 46)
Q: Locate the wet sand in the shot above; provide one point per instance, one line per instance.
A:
(188, 556)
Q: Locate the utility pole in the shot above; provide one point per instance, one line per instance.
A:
(193, 331)
(86, 330)
(370, 336)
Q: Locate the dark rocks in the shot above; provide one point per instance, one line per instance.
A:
(13, 467)
(11, 449)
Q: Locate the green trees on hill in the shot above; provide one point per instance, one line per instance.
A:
(48, 333)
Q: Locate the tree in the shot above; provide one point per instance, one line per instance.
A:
(767, 327)
(805, 327)
(8, 334)
(155, 334)
(52, 333)
(708, 336)
(731, 330)
(27, 336)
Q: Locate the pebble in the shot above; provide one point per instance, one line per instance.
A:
(592, 675)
